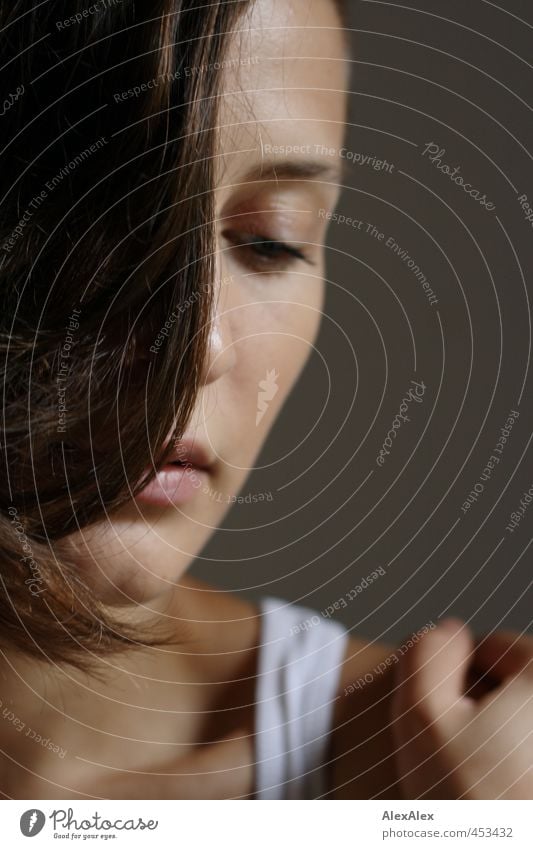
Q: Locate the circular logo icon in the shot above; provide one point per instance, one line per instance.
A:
(31, 822)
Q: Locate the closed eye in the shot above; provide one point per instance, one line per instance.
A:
(261, 253)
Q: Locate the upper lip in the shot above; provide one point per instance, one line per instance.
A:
(190, 452)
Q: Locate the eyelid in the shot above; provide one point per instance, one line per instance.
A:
(240, 239)
(280, 195)
(251, 256)
(258, 213)
(267, 225)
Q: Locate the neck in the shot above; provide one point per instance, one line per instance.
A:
(124, 709)
(135, 710)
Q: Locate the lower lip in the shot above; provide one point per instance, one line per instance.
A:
(174, 485)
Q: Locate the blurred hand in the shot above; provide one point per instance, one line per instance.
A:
(463, 716)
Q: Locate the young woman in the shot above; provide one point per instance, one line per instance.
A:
(163, 174)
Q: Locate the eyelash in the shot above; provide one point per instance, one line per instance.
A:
(257, 252)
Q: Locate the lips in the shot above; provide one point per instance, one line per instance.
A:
(185, 474)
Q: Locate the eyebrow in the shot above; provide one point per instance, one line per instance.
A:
(295, 169)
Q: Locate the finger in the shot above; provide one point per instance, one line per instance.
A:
(433, 672)
(503, 654)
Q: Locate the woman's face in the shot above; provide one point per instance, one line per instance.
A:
(282, 116)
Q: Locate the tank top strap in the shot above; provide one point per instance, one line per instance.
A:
(299, 665)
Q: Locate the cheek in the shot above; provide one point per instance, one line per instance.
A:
(294, 323)
(276, 340)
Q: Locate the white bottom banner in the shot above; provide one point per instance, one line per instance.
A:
(267, 825)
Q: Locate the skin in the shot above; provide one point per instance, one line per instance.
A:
(462, 716)
(177, 722)
(267, 314)
(267, 317)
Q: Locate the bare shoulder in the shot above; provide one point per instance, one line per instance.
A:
(362, 764)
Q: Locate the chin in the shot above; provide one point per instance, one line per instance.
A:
(127, 581)
(132, 562)
(140, 554)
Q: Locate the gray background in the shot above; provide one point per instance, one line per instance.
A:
(456, 74)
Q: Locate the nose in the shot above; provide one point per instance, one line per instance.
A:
(221, 355)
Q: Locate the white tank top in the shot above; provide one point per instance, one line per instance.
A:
(299, 664)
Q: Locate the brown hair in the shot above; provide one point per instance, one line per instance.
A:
(106, 179)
